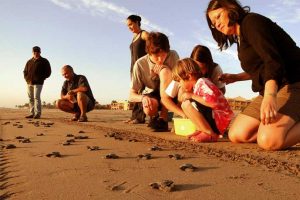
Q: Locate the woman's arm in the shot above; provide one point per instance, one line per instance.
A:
(231, 78)
(268, 109)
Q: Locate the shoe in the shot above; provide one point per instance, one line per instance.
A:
(152, 121)
(135, 121)
(37, 117)
(76, 117)
(160, 126)
(200, 136)
(83, 119)
(29, 116)
(128, 121)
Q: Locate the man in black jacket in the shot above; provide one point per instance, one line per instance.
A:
(37, 69)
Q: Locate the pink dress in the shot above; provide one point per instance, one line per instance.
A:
(221, 110)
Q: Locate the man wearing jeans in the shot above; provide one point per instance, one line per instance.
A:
(37, 69)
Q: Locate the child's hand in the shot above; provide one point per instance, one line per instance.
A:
(187, 96)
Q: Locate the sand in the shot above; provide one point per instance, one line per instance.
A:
(223, 170)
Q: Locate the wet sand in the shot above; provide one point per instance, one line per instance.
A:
(223, 170)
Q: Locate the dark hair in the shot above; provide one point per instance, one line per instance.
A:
(135, 19)
(236, 13)
(202, 54)
(68, 67)
(157, 42)
(36, 49)
(186, 67)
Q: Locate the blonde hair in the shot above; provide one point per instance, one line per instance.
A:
(185, 68)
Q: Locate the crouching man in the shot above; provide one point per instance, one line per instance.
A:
(76, 95)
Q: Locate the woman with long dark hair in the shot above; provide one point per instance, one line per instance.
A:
(271, 59)
(137, 49)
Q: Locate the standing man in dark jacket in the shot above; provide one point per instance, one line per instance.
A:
(37, 69)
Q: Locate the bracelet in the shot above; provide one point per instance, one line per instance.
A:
(272, 94)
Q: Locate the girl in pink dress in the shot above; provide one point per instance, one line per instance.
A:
(200, 99)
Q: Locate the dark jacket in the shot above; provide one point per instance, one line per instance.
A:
(36, 71)
(267, 52)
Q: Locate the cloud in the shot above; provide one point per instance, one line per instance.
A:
(285, 11)
(107, 10)
(62, 4)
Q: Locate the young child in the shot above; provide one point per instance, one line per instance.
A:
(206, 100)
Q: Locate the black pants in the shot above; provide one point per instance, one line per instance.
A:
(138, 112)
(207, 114)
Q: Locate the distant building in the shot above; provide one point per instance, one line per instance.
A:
(121, 105)
(238, 103)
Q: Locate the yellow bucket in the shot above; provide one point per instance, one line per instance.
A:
(183, 127)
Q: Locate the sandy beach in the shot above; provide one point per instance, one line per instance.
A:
(222, 170)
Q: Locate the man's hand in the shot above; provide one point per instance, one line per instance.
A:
(71, 92)
(146, 101)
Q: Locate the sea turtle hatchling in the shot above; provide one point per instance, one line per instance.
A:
(155, 148)
(187, 167)
(110, 134)
(93, 148)
(69, 135)
(81, 131)
(146, 156)
(10, 146)
(175, 156)
(81, 137)
(111, 156)
(71, 141)
(20, 137)
(66, 143)
(54, 154)
(40, 134)
(165, 185)
(25, 140)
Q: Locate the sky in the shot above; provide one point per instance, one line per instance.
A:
(92, 37)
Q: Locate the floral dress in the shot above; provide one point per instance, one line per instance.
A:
(221, 110)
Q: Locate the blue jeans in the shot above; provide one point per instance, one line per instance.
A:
(34, 94)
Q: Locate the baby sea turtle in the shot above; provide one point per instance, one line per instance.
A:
(40, 134)
(71, 141)
(81, 137)
(20, 137)
(111, 134)
(25, 140)
(1, 139)
(145, 156)
(20, 126)
(118, 138)
(133, 140)
(54, 154)
(165, 185)
(5, 123)
(66, 143)
(187, 167)
(111, 156)
(81, 132)
(70, 135)
(93, 148)
(175, 156)
(155, 148)
(10, 146)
